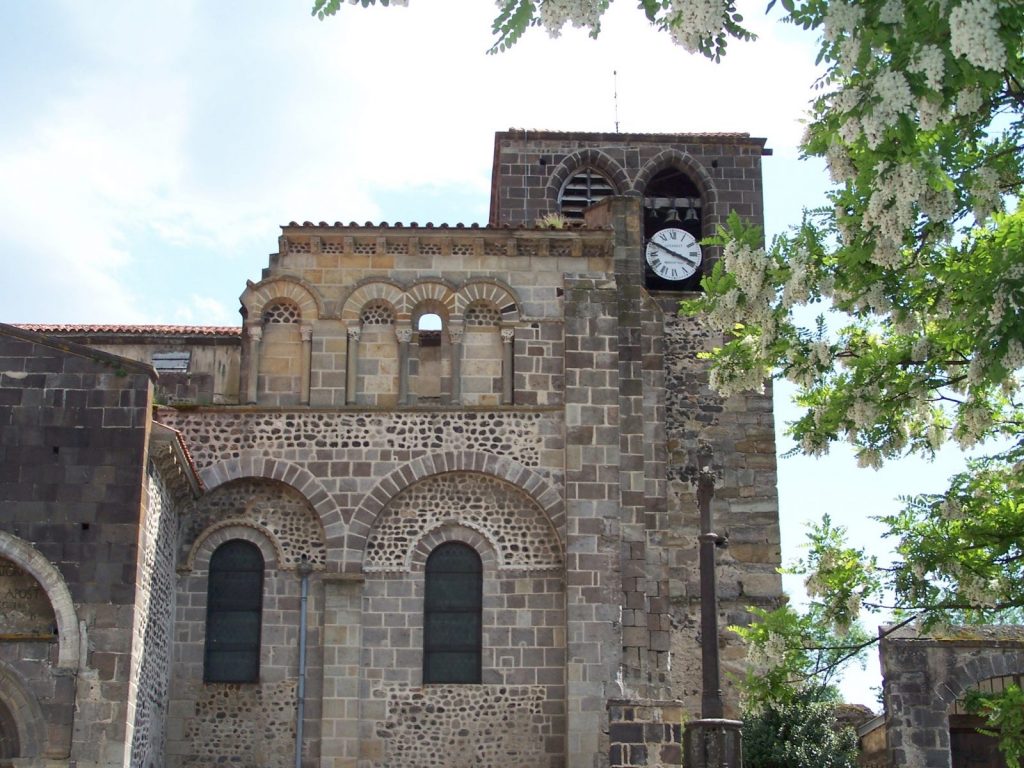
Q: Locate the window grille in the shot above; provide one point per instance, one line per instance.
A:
(581, 191)
(452, 615)
(234, 609)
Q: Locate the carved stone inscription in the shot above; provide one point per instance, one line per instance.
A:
(24, 606)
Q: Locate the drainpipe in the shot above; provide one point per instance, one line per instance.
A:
(304, 569)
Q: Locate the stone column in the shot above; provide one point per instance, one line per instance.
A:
(593, 559)
(306, 332)
(255, 336)
(351, 365)
(339, 745)
(508, 337)
(404, 337)
(455, 334)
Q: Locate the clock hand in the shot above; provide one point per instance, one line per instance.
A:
(679, 256)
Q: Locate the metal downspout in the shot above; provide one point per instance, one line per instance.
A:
(304, 569)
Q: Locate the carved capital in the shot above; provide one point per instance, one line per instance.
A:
(455, 335)
(306, 331)
(508, 335)
(255, 332)
(404, 335)
(353, 333)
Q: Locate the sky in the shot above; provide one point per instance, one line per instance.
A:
(150, 151)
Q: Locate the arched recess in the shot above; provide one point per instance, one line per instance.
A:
(50, 579)
(430, 540)
(212, 537)
(965, 676)
(673, 158)
(580, 161)
(199, 557)
(491, 291)
(679, 210)
(370, 291)
(365, 516)
(520, 532)
(25, 716)
(252, 464)
(257, 297)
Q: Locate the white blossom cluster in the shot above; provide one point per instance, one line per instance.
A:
(974, 34)
(580, 13)
(986, 197)
(841, 19)
(930, 61)
(892, 209)
(974, 421)
(796, 290)
(894, 98)
(769, 654)
(969, 101)
(696, 20)
(891, 12)
(750, 301)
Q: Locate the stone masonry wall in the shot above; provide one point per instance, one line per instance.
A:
(530, 167)
(924, 678)
(73, 427)
(252, 722)
(149, 686)
(740, 433)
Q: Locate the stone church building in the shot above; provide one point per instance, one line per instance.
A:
(431, 504)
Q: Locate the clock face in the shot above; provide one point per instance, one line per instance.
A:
(673, 254)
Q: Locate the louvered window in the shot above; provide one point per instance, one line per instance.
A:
(452, 608)
(234, 608)
(581, 191)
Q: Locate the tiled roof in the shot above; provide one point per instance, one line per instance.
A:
(570, 226)
(140, 330)
(627, 135)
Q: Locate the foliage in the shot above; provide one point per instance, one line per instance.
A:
(795, 655)
(798, 734)
(1004, 719)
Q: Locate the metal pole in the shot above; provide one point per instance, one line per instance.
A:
(304, 569)
(711, 699)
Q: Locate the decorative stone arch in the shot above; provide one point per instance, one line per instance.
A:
(50, 579)
(416, 561)
(571, 164)
(258, 296)
(358, 527)
(969, 673)
(434, 293)
(252, 464)
(27, 716)
(492, 291)
(370, 291)
(673, 158)
(233, 530)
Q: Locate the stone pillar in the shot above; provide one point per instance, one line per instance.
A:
(456, 335)
(351, 366)
(404, 337)
(306, 332)
(342, 640)
(255, 336)
(595, 636)
(713, 743)
(508, 338)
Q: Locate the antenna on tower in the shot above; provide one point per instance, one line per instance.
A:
(615, 96)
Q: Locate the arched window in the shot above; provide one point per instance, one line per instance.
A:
(234, 608)
(581, 190)
(452, 623)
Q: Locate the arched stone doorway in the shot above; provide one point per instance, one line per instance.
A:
(10, 745)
